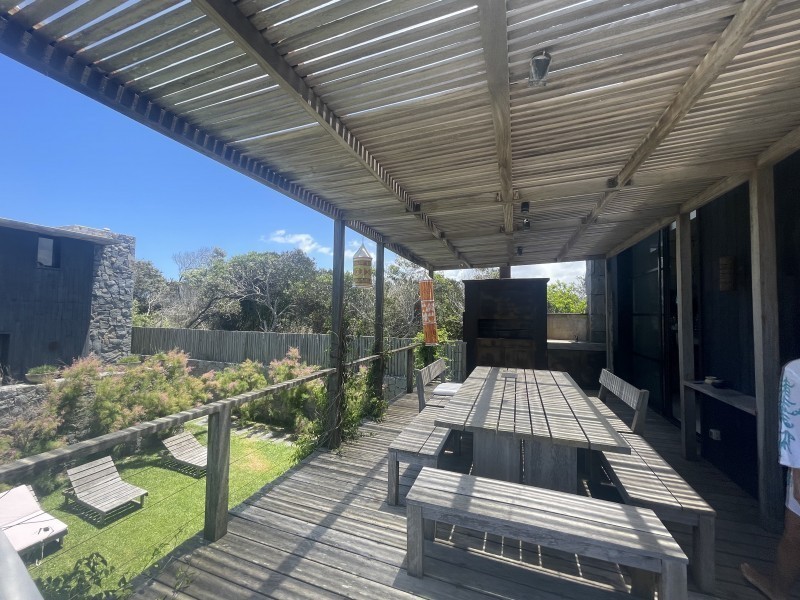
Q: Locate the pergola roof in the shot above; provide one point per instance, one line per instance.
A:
(413, 120)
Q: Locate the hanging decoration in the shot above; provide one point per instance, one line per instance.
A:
(362, 268)
(428, 312)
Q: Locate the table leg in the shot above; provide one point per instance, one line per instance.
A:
(551, 466)
(496, 456)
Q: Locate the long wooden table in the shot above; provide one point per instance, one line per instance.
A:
(528, 425)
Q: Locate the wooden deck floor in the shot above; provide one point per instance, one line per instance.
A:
(324, 530)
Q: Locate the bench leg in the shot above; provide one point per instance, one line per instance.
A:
(392, 497)
(703, 559)
(415, 541)
(672, 583)
(429, 529)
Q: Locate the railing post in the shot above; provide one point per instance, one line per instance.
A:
(409, 370)
(219, 451)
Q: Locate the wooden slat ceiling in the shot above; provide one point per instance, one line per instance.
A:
(413, 120)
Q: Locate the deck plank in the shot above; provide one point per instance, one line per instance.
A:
(324, 530)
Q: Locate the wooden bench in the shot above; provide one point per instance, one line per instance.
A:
(98, 486)
(184, 449)
(442, 392)
(611, 385)
(626, 535)
(420, 443)
(645, 479)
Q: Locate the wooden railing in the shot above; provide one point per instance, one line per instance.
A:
(219, 433)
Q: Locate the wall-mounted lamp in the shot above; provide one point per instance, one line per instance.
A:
(519, 250)
(526, 224)
(540, 65)
(525, 207)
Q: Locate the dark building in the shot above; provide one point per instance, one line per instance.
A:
(65, 292)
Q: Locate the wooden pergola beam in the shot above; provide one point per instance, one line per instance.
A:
(744, 23)
(494, 37)
(231, 20)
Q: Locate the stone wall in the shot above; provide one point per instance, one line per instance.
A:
(109, 334)
(20, 399)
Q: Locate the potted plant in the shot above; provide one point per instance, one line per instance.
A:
(41, 373)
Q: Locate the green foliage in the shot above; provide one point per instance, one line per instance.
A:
(89, 401)
(43, 370)
(288, 407)
(87, 580)
(130, 359)
(425, 355)
(563, 297)
(160, 386)
(235, 380)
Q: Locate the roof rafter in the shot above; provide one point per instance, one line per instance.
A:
(787, 145)
(231, 20)
(74, 72)
(494, 37)
(743, 24)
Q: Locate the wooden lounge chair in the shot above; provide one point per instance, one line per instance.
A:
(184, 449)
(98, 486)
(24, 522)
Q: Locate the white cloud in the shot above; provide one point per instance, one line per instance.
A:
(566, 271)
(303, 241)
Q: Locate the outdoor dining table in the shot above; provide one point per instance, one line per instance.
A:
(527, 425)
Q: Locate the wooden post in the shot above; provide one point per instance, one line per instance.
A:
(336, 381)
(610, 316)
(219, 454)
(765, 338)
(409, 370)
(379, 366)
(688, 416)
(505, 272)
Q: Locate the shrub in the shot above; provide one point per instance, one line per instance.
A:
(235, 380)
(287, 407)
(43, 370)
(425, 355)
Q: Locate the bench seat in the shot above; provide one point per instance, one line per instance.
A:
(420, 443)
(442, 392)
(617, 533)
(645, 479)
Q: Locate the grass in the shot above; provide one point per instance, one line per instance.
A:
(173, 510)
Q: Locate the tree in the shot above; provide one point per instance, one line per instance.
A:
(150, 293)
(563, 297)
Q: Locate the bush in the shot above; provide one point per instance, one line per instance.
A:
(235, 380)
(43, 370)
(287, 408)
(425, 355)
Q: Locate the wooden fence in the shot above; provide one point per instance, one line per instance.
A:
(237, 346)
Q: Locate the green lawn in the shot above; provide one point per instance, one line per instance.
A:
(173, 510)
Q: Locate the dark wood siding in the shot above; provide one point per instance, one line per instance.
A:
(726, 317)
(45, 311)
(787, 234)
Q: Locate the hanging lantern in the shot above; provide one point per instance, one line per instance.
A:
(428, 312)
(362, 268)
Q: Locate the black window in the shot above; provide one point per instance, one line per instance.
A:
(48, 254)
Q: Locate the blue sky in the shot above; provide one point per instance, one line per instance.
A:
(67, 160)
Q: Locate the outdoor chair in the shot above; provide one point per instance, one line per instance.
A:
(24, 522)
(184, 449)
(97, 486)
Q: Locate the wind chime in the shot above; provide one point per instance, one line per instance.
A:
(428, 312)
(362, 268)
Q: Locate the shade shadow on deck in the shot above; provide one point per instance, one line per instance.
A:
(324, 530)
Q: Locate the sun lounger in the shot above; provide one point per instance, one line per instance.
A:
(186, 450)
(98, 486)
(24, 522)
